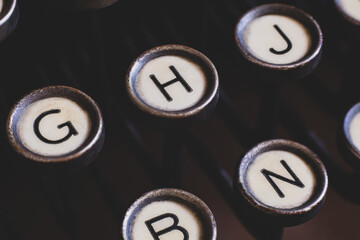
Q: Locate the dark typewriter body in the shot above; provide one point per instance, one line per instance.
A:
(92, 51)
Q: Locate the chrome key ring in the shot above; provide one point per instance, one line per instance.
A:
(9, 16)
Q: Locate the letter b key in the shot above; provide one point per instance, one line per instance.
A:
(169, 214)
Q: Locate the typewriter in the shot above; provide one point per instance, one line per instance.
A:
(206, 158)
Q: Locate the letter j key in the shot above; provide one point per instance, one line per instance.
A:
(282, 41)
(56, 126)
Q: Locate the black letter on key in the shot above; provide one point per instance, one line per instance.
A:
(295, 182)
(173, 227)
(289, 45)
(72, 130)
(162, 87)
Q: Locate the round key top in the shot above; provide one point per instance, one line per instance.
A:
(348, 137)
(349, 9)
(282, 41)
(56, 126)
(281, 181)
(9, 15)
(169, 214)
(173, 82)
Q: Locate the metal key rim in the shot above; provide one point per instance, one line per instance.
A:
(182, 51)
(314, 202)
(95, 134)
(286, 10)
(181, 196)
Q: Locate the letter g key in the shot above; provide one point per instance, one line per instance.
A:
(57, 125)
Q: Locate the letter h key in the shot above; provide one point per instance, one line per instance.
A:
(178, 78)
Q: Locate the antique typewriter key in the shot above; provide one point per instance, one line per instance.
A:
(281, 41)
(56, 129)
(173, 83)
(169, 214)
(347, 29)
(173, 86)
(9, 15)
(348, 137)
(280, 182)
(349, 9)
